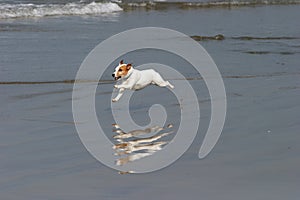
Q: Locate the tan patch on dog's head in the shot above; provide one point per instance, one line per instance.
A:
(122, 70)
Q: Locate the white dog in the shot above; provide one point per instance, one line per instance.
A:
(134, 79)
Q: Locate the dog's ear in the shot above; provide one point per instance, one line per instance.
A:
(121, 62)
(128, 66)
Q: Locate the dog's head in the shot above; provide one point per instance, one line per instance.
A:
(121, 70)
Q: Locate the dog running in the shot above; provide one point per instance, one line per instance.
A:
(133, 79)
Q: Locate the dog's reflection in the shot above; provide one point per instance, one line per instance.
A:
(129, 148)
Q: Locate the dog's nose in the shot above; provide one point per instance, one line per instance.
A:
(113, 75)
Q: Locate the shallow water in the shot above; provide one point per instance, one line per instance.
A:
(257, 156)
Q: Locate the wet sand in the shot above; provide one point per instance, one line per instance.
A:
(257, 156)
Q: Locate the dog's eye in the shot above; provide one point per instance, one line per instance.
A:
(120, 70)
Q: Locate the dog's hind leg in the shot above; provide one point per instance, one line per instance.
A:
(165, 84)
(158, 80)
(161, 83)
(169, 84)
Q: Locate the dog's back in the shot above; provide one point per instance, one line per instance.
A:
(145, 77)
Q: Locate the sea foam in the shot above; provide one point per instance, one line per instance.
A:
(41, 10)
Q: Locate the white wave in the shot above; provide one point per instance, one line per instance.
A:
(41, 10)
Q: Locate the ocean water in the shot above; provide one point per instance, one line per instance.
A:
(42, 44)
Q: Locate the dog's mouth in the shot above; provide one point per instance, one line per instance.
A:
(117, 78)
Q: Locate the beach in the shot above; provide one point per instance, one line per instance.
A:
(257, 155)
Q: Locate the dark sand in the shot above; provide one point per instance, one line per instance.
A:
(257, 156)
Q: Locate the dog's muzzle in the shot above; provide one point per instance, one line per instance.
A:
(116, 77)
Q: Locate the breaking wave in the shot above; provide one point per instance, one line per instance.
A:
(41, 10)
(86, 7)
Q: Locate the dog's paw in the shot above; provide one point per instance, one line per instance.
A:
(116, 86)
(114, 100)
(171, 86)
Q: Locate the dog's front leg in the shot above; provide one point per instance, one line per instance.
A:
(121, 91)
